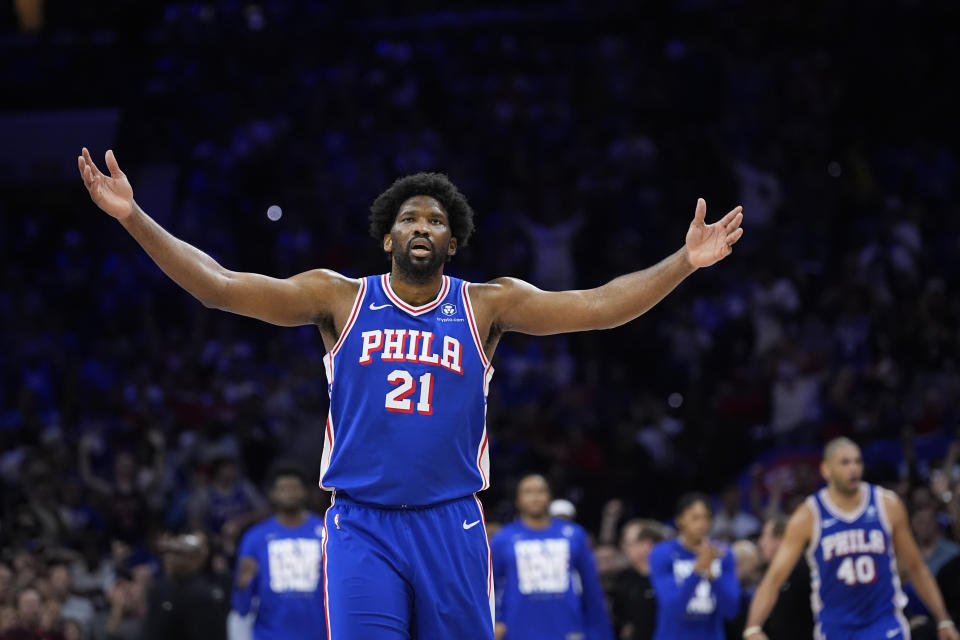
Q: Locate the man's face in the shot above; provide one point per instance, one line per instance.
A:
(420, 239)
(60, 579)
(533, 497)
(843, 470)
(695, 522)
(924, 525)
(288, 493)
(636, 549)
(28, 608)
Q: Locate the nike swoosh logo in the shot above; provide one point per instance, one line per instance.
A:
(893, 632)
(374, 307)
(471, 525)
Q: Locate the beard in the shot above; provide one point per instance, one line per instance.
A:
(419, 270)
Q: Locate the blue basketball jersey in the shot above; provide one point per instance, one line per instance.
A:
(854, 578)
(408, 399)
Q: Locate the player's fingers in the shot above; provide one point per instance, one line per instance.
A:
(90, 163)
(734, 223)
(701, 212)
(734, 236)
(112, 164)
(731, 215)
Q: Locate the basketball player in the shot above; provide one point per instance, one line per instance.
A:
(278, 564)
(546, 580)
(408, 368)
(854, 535)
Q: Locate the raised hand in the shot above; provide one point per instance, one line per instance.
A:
(111, 193)
(710, 243)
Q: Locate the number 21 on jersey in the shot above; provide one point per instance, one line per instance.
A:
(398, 400)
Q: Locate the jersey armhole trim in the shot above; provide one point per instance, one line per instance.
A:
(879, 495)
(816, 531)
(474, 330)
(357, 303)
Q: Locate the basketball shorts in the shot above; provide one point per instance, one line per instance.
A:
(420, 573)
(892, 626)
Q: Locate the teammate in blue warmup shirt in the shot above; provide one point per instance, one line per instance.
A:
(855, 535)
(408, 368)
(545, 577)
(279, 565)
(695, 579)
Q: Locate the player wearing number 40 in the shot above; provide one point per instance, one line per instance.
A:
(855, 535)
(408, 369)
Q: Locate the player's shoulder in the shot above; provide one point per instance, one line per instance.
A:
(569, 529)
(260, 529)
(499, 290)
(892, 503)
(663, 548)
(328, 282)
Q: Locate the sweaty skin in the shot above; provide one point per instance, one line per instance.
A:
(324, 298)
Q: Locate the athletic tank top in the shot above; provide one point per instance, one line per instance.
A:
(853, 571)
(408, 399)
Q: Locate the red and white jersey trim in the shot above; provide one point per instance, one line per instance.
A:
(474, 328)
(328, 359)
(357, 303)
(412, 310)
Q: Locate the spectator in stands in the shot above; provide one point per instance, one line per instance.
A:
(189, 601)
(792, 616)
(229, 504)
(72, 606)
(733, 522)
(634, 602)
(936, 550)
(33, 622)
(749, 573)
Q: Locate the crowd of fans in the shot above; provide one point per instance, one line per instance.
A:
(130, 414)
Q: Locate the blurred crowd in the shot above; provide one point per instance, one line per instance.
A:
(131, 416)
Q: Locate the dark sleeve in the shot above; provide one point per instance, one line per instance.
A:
(159, 623)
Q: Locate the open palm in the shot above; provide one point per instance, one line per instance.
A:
(111, 193)
(710, 243)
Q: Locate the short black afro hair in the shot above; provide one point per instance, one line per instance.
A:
(436, 185)
(286, 469)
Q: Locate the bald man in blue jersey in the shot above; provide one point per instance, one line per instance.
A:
(408, 369)
(857, 541)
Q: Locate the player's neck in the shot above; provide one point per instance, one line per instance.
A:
(294, 519)
(688, 544)
(415, 292)
(846, 501)
(536, 522)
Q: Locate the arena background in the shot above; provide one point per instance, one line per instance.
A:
(582, 133)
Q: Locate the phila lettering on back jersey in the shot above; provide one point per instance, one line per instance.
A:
(853, 570)
(408, 399)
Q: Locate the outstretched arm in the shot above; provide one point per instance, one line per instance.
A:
(910, 560)
(306, 298)
(518, 306)
(795, 539)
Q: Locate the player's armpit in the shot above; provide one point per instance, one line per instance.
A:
(306, 298)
